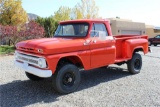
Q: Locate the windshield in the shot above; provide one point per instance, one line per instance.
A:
(72, 29)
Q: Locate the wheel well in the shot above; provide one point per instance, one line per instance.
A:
(137, 50)
(72, 60)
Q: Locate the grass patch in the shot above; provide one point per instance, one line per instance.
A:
(5, 49)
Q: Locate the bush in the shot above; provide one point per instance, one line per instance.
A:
(10, 35)
(5, 49)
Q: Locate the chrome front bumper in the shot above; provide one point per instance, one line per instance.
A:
(33, 70)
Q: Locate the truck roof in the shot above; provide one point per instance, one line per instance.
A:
(84, 20)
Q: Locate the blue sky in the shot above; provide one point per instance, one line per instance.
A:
(147, 11)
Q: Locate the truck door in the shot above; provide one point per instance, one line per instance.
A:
(102, 51)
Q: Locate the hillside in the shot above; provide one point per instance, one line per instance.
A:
(32, 16)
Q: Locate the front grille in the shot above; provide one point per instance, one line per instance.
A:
(27, 58)
(31, 60)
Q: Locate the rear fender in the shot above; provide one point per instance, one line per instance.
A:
(135, 45)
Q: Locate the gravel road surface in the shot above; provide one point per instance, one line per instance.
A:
(103, 87)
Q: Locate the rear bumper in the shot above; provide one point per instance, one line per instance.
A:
(35, 71)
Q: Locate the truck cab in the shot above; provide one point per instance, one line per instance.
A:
(78, 44)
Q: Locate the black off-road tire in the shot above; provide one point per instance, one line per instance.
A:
(135, 64)
(33, 77)
(66, 79)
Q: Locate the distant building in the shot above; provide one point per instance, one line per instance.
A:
(152, 31)
(124, 27)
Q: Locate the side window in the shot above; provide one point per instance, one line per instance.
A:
(98, 27)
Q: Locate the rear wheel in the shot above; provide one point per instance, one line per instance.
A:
(33, 77)
(135, 64)
(66, 79)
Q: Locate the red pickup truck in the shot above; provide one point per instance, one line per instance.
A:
(78, 44)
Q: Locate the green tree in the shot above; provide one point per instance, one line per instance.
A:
(12, 13)
(77, 13)
(62, 14)
(49, 25)
(40, 20)
(86, 9)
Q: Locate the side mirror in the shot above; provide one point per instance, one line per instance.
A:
(102, 35)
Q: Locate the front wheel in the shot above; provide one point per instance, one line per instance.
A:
(66, 79)
(135, 64)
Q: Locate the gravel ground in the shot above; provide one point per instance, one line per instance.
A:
(103, 87)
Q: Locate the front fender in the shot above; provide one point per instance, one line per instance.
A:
(83, 56)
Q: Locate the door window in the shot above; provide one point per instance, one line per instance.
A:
(96, 28)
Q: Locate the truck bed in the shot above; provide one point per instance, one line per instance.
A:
(121, 48)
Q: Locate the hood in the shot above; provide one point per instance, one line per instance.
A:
(52, 45)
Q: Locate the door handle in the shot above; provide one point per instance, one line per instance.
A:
(87, 42)
(94, 41)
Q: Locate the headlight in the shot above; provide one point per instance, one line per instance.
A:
(42, 63)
